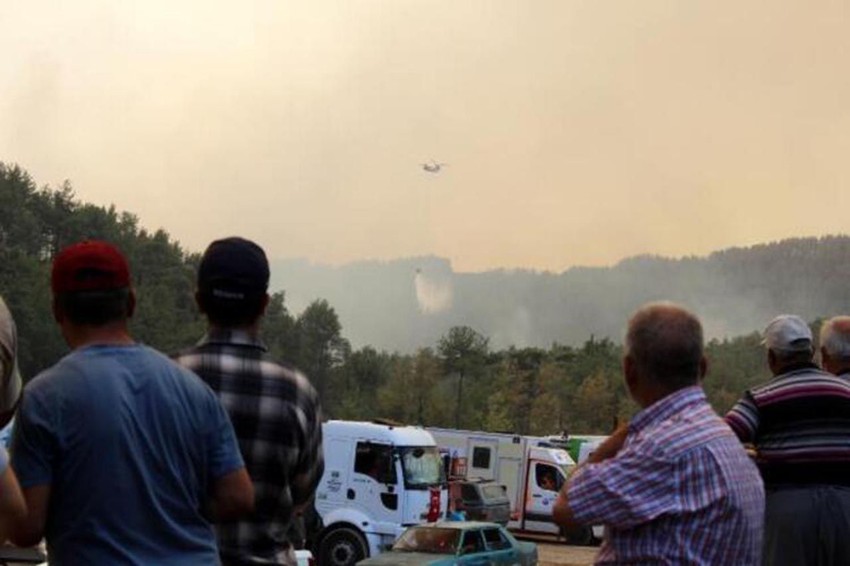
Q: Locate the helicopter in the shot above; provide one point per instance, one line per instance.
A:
(432, 166)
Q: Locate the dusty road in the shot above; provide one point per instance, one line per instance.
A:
(551, 553)
(564, 555)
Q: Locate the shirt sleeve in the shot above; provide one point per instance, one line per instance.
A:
(743, 418)
(34, 442)
(310, 465)
(622, 492)
(224, 455)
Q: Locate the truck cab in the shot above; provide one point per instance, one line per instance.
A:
(378, 480)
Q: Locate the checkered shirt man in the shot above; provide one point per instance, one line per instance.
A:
(277, 418)
(681, 490)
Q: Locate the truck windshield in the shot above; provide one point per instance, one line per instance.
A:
(422, 465)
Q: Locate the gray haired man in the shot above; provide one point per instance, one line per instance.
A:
(835, 345)
(799, 423)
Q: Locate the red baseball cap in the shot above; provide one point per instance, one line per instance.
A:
(89, 266)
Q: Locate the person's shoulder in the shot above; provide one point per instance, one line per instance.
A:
(799, 381)
(60, 373)
(180, 374)
(185, 356)
(673, 438)
(287, 374)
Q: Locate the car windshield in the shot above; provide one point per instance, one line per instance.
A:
(422, 466)
(431, 540)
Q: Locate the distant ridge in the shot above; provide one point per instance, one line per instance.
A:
(405, 304)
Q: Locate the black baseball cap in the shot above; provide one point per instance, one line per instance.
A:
(233, 269)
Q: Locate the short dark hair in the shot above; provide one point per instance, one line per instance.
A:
(227, 312)
(665, 342)
(95, 308)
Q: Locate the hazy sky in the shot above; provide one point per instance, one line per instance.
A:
(575, 132)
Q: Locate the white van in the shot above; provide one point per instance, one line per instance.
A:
(378, 480)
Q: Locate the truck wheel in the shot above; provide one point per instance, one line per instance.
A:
(342, 547)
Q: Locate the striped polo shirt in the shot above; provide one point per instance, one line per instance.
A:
(799, 423)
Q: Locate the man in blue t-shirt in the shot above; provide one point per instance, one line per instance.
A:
(123, 456)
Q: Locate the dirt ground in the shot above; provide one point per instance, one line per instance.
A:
(551, 553)
(564, 555)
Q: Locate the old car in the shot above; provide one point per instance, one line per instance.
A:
(456, 542)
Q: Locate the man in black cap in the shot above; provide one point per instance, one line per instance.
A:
(274, 409)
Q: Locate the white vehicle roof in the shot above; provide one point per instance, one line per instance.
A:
(376, 432)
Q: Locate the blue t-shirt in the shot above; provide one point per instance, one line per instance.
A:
(129, 443)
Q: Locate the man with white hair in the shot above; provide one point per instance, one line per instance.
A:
(835, 345)
(799, 424)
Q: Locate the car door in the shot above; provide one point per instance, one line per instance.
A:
(473, 551)
(499, 549)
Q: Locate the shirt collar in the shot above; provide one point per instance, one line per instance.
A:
(232, 337)
(794, 368)
(666, 407)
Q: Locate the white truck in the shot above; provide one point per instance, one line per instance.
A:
(378, 480)
(532, 474)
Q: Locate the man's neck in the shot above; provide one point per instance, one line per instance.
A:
(115, 334)
(252, 330)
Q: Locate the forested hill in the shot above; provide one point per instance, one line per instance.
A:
(403, 304)
(457, 332)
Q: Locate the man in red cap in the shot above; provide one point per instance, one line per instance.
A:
(124, 457)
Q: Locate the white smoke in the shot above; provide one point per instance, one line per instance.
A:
(434, 294)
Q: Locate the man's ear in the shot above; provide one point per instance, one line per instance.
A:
(56, 309)
(771, 361)
(131, 303)
(199, 302)
(630, 374)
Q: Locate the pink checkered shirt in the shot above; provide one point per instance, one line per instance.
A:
(680, 491)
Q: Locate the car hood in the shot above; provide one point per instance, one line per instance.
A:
(408, 559)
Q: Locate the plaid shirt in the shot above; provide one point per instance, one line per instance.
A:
(680, 491)
(277, 418)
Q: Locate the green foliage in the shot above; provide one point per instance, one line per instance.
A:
(460, 383)
(321, 347)
(464, 352)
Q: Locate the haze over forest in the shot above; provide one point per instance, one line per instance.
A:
(407, 303)
(400, 339)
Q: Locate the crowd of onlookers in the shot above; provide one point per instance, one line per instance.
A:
(122, 455)
(769, 484)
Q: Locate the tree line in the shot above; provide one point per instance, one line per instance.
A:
(459, 381)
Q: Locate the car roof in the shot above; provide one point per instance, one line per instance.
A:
(460, 525)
